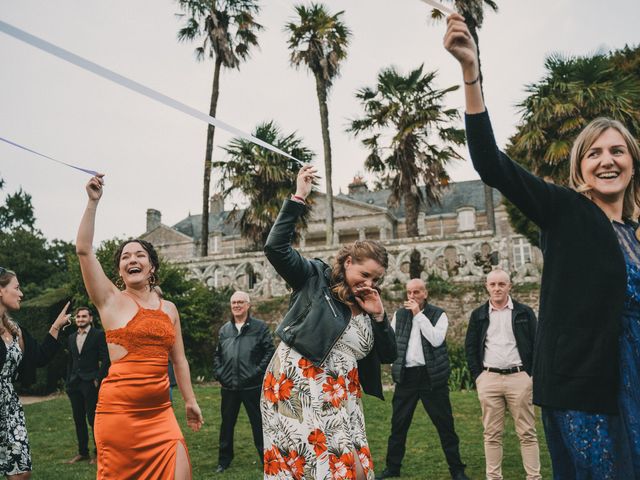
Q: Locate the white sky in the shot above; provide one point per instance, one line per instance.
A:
(153, 155)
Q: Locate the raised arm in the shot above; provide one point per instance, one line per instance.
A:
(292, 267)
(532, 195)
(98, 285)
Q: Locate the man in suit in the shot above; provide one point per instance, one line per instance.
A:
(88, 365)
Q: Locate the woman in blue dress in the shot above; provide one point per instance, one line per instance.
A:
(585, 373)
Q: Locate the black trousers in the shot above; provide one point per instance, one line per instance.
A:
(415, 386)
(230, 407)
(84, 397)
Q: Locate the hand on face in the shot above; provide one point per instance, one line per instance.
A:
(412, 305)
(94, 187)
(194, 416)
(369, 301)
(307, 177)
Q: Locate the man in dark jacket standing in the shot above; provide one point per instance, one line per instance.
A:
(88, 365)
(245, 347)
(421, 372)
(499, 349)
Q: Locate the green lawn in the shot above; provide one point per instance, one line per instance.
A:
(53, 440)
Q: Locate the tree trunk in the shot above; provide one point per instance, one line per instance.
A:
(321, 90)
(211, 130)
(411, 204)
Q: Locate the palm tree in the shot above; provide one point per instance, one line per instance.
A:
(227, 30)
(473, 13)
(263, 177)
(410, 111)
(574, 91)
(319, 41)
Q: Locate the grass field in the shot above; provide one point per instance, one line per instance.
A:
(52, 436)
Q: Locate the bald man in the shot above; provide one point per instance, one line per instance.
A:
(421, 372)
(499, 349)
(245, 347)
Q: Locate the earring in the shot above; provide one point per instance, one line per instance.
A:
(120, 283)
(153, 280)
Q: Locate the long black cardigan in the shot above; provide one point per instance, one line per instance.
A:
(35, 355)
(576, 359)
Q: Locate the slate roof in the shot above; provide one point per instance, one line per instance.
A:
(456, 195)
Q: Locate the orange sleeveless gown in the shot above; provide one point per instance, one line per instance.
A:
(136, 431)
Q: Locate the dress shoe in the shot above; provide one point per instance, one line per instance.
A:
(77, 458)
(386, 473)
(459, 475)
(93, 461)
(221, 469)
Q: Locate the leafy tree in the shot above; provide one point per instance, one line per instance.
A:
(227, 30)
(574, 91)
(411, 111)
(319, 40)
(17, 212)
(263, 177)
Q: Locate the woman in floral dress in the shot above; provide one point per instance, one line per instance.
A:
(334, 336)
(20, 354)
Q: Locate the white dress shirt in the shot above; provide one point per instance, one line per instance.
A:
(500, 348)
(81, 337)
(422, 327)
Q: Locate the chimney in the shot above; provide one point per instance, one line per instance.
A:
(357, 185)
(154, 218)
(216, 204)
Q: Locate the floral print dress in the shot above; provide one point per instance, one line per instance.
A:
(15, 455)
(312, 417)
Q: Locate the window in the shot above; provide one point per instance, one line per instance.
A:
(521, 252)
(466, 219)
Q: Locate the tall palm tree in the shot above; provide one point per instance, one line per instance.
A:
(262, 177)
(411, 137)
(227, 30)
(574, 91)
(319, 40)
(473, 13)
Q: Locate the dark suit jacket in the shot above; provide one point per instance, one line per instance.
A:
(93, 362)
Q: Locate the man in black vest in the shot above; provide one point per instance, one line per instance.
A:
(421, 372)
(88, 365)
(245, 348)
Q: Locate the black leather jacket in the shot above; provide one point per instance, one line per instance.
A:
(316, 319)
(241, 358)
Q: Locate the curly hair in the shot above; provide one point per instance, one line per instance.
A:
(6, 324)
(147, 247)
(359, 251)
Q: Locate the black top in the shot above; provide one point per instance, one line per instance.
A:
(93, 362)
(583, 286)
(35, 355)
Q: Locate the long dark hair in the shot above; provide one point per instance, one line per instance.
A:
(359, 251)
(151, 251)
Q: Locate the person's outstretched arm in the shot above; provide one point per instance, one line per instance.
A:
(100, 289)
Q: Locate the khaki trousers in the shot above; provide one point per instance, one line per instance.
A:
(497, 393)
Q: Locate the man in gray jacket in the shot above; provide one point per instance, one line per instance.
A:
(245, 347)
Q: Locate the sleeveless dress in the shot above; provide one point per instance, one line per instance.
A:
(312, 417)
(136, 431)
(15, 455)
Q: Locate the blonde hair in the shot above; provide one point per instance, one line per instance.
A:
(581, 146)
(359, 252)
(6, 324)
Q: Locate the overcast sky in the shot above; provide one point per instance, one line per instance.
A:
(153, 155)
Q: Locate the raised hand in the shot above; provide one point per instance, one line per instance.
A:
(413, 306)
(94, 187)
(307, 176)
(459, 42)
(63, 318)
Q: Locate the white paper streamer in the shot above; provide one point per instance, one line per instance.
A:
(438, 6)
(131, 85)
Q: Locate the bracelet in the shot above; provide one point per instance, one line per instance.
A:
(472, 82)
(298, 198)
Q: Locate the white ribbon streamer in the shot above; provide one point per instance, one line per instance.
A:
(131, 85)
(439, 6)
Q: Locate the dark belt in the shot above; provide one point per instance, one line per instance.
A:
(505, 371)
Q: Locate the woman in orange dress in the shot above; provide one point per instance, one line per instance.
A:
(136, 431)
